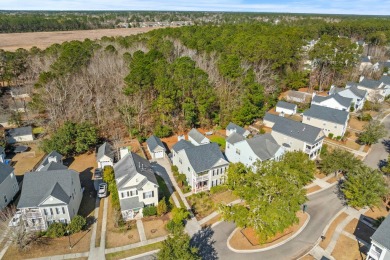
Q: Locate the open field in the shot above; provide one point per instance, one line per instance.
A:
(13, 41)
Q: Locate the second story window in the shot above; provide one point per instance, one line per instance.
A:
(149, 194)
(57, 211)
(238, 151)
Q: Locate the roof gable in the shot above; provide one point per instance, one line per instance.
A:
(238, 129)
(234, 138)
(105, 150)
(286, 105)
(381, 235)
(204, 157)
(5, 171)
(327, 114)
(182, 144)
(21, 131)
(196, 136)
(154, 142)
(264, 146)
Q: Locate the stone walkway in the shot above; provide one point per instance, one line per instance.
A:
(141, 230)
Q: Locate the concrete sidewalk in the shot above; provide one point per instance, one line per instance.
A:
(141, 230)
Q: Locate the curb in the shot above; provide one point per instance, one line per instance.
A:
(318, 191)
(267, 248)
(141, 255)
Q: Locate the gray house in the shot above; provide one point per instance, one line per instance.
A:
(156, 147)
(297, 136)
(21, 134)
(380, 242)
(204, 166)
(358, 96)
(8, 185)
(137, 185)
(377, 90)
(233, 128)
(331, 121)
(49, 196)
(196, 138)
(52, 157)
(335, 101)
(286, 108)
(105, 155)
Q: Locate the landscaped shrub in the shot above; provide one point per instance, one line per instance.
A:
(365, 117)
(175, 170)
(57, 229)
(179, 215)
(162, 207)
(330, 135)
(77, 224)
(218, 189)
(149, 211)
(174, 227)
(338, 138)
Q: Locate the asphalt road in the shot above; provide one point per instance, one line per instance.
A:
(379, 151)
(322, 207)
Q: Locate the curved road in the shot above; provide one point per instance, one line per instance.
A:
(322, 207)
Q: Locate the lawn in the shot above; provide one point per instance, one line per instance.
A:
(134, 251)
(25, 162)
(155, 226)
(219, 140)
(331, 229)
(163, 190)
(347, 248)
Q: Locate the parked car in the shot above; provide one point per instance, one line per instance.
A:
(98, 174)
(102, 190)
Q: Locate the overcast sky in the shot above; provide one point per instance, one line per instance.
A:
(371, 7)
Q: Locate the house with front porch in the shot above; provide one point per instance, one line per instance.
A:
(48, 197)
(380, 242)
(8, 185)
(204, 166)
(297, 136)
(137, 185)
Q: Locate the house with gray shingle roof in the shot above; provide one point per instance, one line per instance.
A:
(270, 119)
(204, 165)
(351, 91)
(298, 96)
(196, 138)
(335, 101)
(297, 136)
(137, 185)
(286, 108)
(105, 155)
(155, 147)
(20, 134)
(377, 90)
(331, 121)
(249, 151)
(380, 242)
(8, 185)
(48, 197)
(233, 128)
(53, 156)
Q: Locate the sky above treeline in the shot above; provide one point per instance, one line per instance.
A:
(362, 7)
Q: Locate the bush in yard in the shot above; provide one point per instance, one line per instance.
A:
(374, 131)
(174, 227)
(338, 138)
(57, 229)
(179, 215)
(162, 207)
(77, 224)
(175, 170)
(330, 135)
(149, 211)
(218, 189)
(181, 180)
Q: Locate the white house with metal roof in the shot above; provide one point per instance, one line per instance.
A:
(8, 185)
(105, 156)
(233, 128)
(297, 136)
(351, 90)
(286, 108)
(196, 138)
(155, 147)
(21, 134)
(137, 185)
(380, 242)
(331, 121)
(48, 197)
(334, 101)
(204, 166)
(249, 151)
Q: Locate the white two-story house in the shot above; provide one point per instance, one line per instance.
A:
(249, 151)
(137, 185)
(380, 242)
(351, 91)
(204, 166)
(8, 185)
(48, 197)
(297, 136)
(331, 121)
(334, 101)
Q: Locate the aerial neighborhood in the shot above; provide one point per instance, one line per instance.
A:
(223, 141)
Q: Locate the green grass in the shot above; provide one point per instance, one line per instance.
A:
(219, 140)
(163, 187)
(37, 130)
(134, 251)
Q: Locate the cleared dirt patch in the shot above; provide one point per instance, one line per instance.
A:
(347, 249)
(331, 229)
(319, 175)
(25, 162)
(155, 226)
(246, 239)
(356, 124)
(377, 212)
(313, 189)
(13, 41)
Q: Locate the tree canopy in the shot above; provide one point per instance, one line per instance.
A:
(373, 131)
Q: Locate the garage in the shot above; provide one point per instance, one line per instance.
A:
(159, 154)
(156, 148)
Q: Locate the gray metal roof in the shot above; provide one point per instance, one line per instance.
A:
(130, 165)
(264, 146)
(298, 130)
(182, 144)
(52, 166)
(196, 135)
(327, 114)
(385, 79)
(286, 105)
(37, 186)
(369, 83)
(21, 131)
(5, 171)
(382, 234)
(154, 142)
(131, 203)
(239, 130)
(234, 138)
(204, 157)
(52, 154)
(105, 150)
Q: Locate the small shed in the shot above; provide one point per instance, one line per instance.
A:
(286, 108)
(233, 128)
(20, 134)
(196, 138)
(105, 156)
(156, 147)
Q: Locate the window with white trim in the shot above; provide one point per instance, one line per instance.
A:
(148, 194)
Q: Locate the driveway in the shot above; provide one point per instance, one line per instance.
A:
(322, 207)
(379, 151)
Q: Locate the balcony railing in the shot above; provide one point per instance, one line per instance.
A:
(374, 254)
